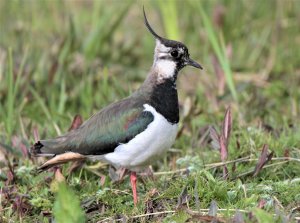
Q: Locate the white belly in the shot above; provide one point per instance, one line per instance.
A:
(146, 146)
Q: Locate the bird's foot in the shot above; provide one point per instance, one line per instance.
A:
(117, 175)
(133, 179)
(148, 172)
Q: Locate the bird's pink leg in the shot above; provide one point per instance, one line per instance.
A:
(133, 186)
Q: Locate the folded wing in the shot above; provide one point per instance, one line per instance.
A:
(102, 133)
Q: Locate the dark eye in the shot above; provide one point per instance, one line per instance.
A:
(174, 53)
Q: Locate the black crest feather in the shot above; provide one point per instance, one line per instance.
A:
(149, 27)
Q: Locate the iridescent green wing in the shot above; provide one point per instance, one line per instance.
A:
(103, 132)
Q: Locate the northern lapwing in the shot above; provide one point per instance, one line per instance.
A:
(134, 131)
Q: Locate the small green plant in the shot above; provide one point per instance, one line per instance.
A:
(67, 206)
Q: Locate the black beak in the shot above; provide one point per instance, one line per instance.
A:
(193, 63)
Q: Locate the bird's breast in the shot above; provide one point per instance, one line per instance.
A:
(159, 136)
(164, 99)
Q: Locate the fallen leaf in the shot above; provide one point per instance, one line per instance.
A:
(220, 75)
(286, 153)
(203, 218)
(76, 123)
(223, 148)
(264, 158)
(183, 198)
(17, 143)
(102, 180)
(21, 205)
(225, 172)
(219, 15)
(52, 71)
(2, 156)
(215, 138)
(58, 176)
(75, 165)
(213, 208)
(116, 175)
(238, 217)
(227, 123)
(196, 195)
(36, 134)
(261, 203)
(10, 177)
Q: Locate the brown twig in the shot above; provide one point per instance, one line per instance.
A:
(240, 160)
(201, 211)
(266, 166)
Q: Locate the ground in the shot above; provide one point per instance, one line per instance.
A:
(63, 58)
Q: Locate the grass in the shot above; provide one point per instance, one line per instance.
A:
(62, 58)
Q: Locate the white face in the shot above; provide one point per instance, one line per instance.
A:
(165, 66)
(163, 51)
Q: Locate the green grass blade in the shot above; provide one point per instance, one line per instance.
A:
(227, 70)
(168, 10)
(41, 103)
(10, 96)
(103, 29)
(219, 49)
(62, 97)
(20, 71)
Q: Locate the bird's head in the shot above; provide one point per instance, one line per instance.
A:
(170, 56)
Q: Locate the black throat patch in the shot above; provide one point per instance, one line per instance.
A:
(164, 99)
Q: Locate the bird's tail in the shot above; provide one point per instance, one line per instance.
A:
(36, 150)
(56, 148)
(49, 147)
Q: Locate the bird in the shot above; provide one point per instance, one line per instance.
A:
(135, 131)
